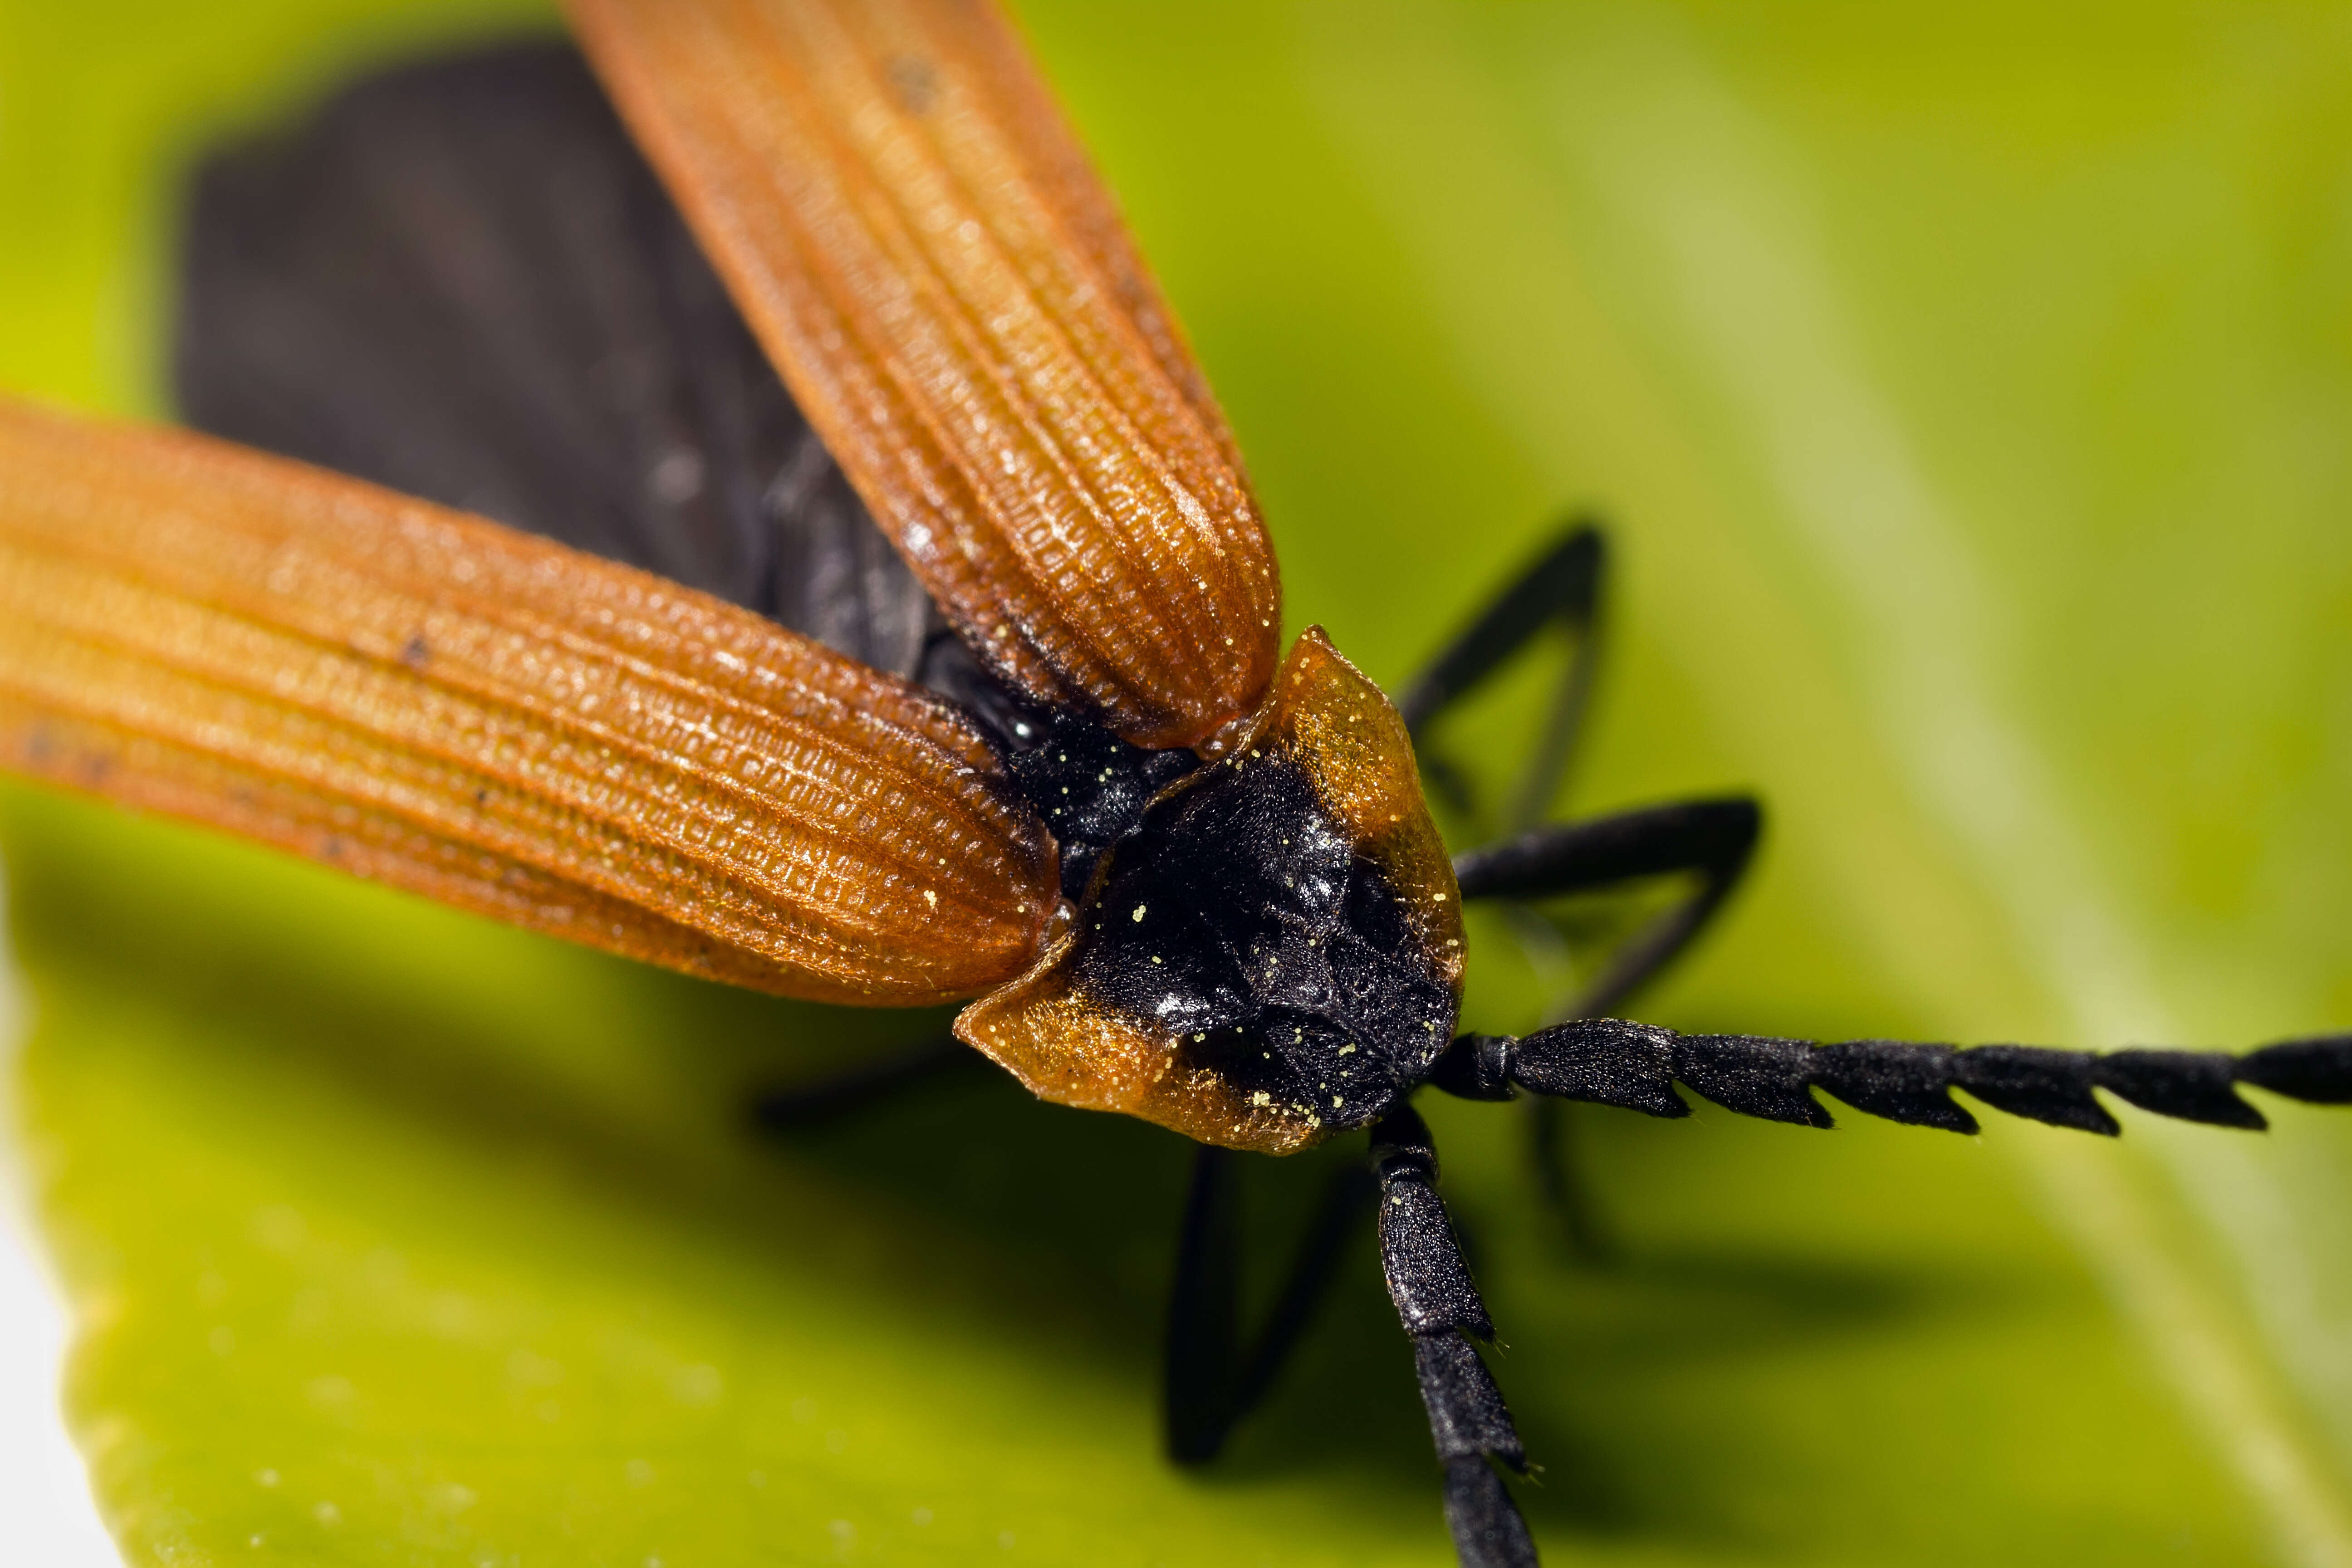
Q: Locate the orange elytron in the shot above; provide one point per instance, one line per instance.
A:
(1069, 772)
(469, 712)
(914, 234)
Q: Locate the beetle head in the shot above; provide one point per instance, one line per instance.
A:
(1274, 955)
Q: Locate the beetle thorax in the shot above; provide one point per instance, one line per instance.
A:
(1271, 954)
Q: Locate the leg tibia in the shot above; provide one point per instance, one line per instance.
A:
(1211, 1378)
(1203, 1306)
(1712, 839)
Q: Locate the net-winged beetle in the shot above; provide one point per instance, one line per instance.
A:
(1031, 741)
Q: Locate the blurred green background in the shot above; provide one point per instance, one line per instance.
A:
(1969, 391)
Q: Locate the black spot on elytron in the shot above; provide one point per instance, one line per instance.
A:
(914, 83)
(1239, 916)
(416, 651)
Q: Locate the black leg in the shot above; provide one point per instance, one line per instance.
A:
(1562, 583)
(788, 1109)
(1209, 1381)
(1636, 1066)
(1441, 1308)
(1203, 1313)
(1564, 1188)
(1714, 839)
(1561, 586)
(1558, 588)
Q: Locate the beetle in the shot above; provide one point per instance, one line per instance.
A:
(1048, 755)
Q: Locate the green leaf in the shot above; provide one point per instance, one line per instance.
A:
(1967, 393)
